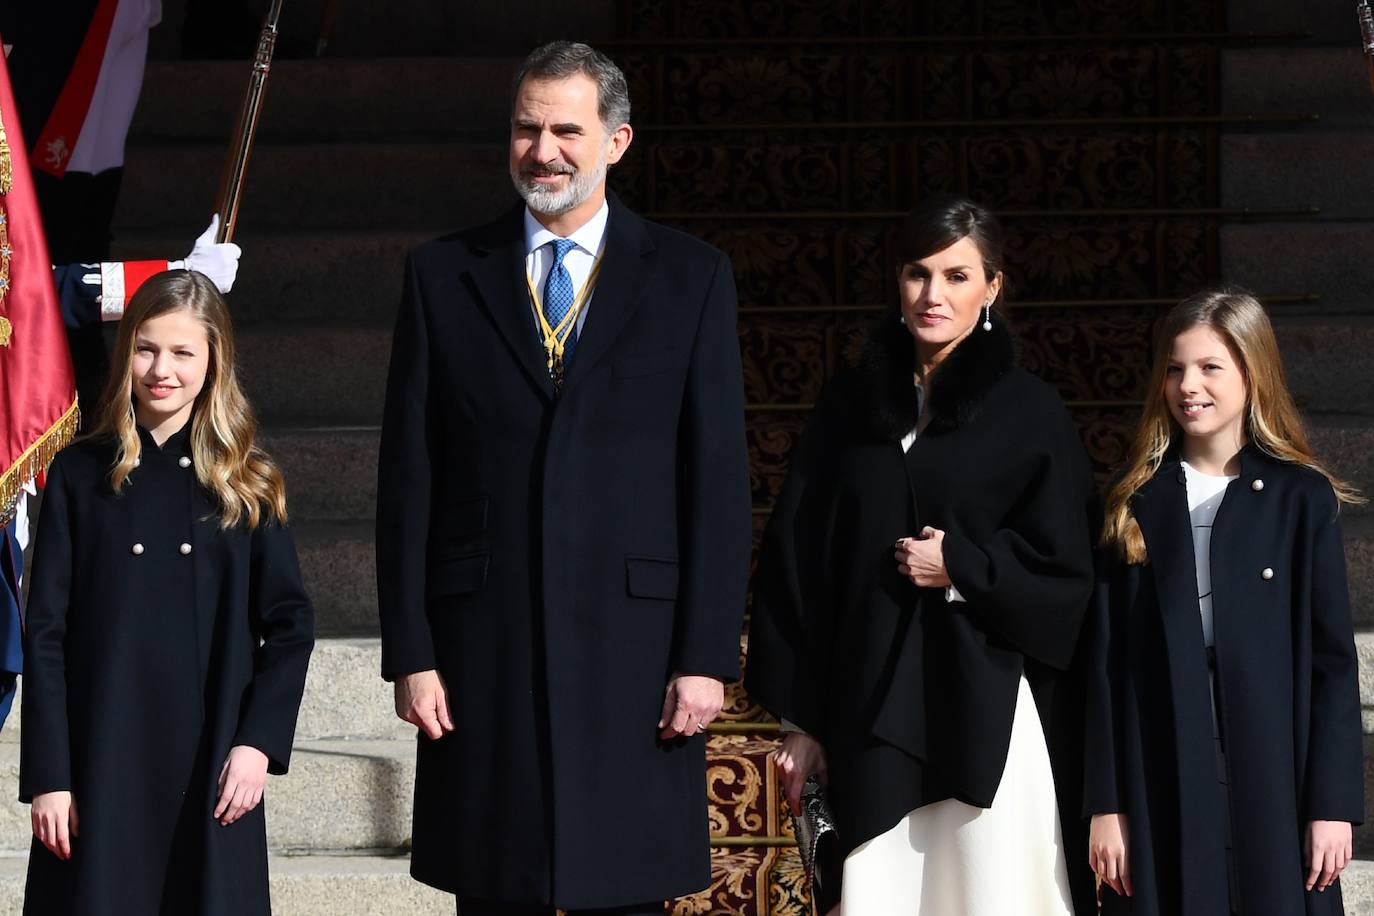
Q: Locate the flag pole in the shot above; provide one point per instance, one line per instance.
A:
(241, 146)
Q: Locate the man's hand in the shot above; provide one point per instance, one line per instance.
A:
(691, 703)
(54, 822)
(1327, 852)
(422, 700)
(241, 782)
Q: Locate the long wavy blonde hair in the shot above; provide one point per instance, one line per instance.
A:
(1272, 421)
(245, 482)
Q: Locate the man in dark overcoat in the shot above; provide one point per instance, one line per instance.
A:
(563, 525)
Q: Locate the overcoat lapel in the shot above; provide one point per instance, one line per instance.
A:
(500, 287)
(1161, 509)
(625, 272)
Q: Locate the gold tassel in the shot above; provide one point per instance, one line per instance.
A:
(36, 458)
(6, 160)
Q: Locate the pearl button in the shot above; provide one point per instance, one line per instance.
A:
(137, 462)
(1257, 484)
(185, 549)
(136, 550)
(184, 461)
(1266, 573)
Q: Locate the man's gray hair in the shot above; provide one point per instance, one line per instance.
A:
(559, 60)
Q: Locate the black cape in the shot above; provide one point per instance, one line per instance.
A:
(1288, 695)
(141, 671)
(913, 696)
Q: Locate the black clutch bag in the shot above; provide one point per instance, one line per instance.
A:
(818, 841)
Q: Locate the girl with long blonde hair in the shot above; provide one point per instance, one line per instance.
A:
(1224, 739)
(167, 632)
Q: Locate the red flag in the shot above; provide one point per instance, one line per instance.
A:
(38, 411)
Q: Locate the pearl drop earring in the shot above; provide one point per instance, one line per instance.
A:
(987, 316)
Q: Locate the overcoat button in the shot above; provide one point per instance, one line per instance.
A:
(184, 461)
(1266, 573)
(136, 550)
(137, 462)
(186, 548)
(1257, 484)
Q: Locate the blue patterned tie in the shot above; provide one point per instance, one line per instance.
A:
(559, 294)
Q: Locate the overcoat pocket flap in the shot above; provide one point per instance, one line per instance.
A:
(634, 366)
(458, 575)
(651, 577)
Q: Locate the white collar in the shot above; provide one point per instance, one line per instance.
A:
(588, 237)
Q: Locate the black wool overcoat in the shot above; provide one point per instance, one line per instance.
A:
(557, 557)
(1287, 678)
(143, 666)
(913, 696)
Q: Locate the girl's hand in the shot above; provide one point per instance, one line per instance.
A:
(1326, 852)
(1107, 852)
(799, 757)
(241, 782)
(54, 822)
(922, 559)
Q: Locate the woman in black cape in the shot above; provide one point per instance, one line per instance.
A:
(918, 599)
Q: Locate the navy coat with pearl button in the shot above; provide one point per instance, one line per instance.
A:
(1289, 703)
(155, 641)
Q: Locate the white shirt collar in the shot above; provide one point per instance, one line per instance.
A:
(588, 237)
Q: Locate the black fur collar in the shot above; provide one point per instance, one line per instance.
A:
(956, 390)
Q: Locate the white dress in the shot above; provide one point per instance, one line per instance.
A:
(954, 859)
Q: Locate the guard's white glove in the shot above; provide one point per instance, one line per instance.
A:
(219, 262)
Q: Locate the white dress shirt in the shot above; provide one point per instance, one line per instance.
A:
(591, 242)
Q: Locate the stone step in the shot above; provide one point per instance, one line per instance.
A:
(348, 277)
(332, 99)
(339, 795)
(306, 885)
(1316, 167)
(1327, 362)
(172, 186)
(345, 698)
(1334, 260)
(1333, 82)
(339, 567)
(331, 473)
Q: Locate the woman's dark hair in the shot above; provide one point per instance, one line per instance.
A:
(939, 222)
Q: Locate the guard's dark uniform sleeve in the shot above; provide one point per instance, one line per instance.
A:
(78, 290)
(45, 755)
(404, 483)
(716, 502)
(791, 617)
(1102, 664)
(1335, 756)
(1031, 580)
(284, 621)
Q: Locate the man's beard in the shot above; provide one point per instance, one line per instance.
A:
(550, 202)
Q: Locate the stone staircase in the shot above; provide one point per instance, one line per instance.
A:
(776, 140)
(1328, 341)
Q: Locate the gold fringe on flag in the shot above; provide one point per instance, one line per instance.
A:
(35, 459)
(6, 161)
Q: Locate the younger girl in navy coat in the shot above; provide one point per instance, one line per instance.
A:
(167, 633)
(1224, 742)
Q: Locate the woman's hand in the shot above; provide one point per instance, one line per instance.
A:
(241, 781)
(799, 757)
(1107, 852)
(54, 822)
(922, 559)
(1327, 852)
